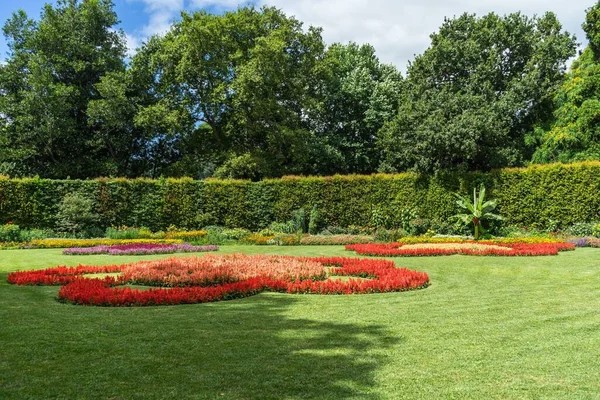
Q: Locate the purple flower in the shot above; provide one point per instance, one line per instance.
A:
(141, 249)
(579, 242)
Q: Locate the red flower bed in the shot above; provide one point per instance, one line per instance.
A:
(483, 249)
(287, 275)
(58, 275)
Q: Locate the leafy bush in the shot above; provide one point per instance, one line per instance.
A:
(315, 223)
(76, 214)
(583, 229)
(10, 233)
(125, 232)
(283, 227)
(235, 234)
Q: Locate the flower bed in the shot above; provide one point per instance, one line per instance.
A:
(335, 239)
(466, 247)
(214, 278)
(65, 243)
(140, 249)
(524, 240)
(586, 242)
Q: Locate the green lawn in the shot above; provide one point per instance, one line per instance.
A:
(505, 328)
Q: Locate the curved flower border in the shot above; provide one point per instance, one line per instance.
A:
(383, 277)
(515, 249)
(140, 249)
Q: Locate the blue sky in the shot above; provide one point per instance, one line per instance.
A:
(398, 29)
(139, 18)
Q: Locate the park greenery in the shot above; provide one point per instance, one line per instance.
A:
(255, 94)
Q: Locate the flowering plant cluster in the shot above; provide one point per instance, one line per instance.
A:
(65, 243)
(222, 278)
(58, 275)
(140, 249)
(216, 269)
(585, 242)
(185, 235)
(479, 248)
(335, 239)
(524, 240)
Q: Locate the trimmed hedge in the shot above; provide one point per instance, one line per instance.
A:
(533, 196)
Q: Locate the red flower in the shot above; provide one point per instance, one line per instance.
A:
(383, 276)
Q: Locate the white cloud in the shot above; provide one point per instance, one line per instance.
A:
(400, 29)
(227, 4)
(161, 14)
(133, 42)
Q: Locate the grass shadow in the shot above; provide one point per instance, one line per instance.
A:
(252, 348)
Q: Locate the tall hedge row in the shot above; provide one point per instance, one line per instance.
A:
(537, 195)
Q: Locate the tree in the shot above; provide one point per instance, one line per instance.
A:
(46, 84)
(249, 76)
(360, 94)
(574, 133)
(472, 97)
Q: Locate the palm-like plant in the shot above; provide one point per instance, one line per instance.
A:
(477, 211)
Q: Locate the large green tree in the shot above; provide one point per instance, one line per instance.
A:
(360, 94)
(46, 84)
(475, 93)
(244, 82)
(574, 134)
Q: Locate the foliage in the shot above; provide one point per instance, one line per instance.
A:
(476, 92)
(10, 233)
(126, 232)
(528, 197)
(76, 214)
(360, 94)
(245, 77)
(47, 83)
(573, 135)
(315, 223)
(476, 212)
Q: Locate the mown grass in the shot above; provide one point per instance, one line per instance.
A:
(487, 327)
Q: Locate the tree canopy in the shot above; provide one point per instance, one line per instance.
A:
(254, 93)
(574, 133)
(472, 97)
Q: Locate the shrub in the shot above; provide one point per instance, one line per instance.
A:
(125, 232)
(527, 197)
(285, 240)
(315, 223)
(10, 233)
(583, 229)
(76, 215)
(235, 234)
